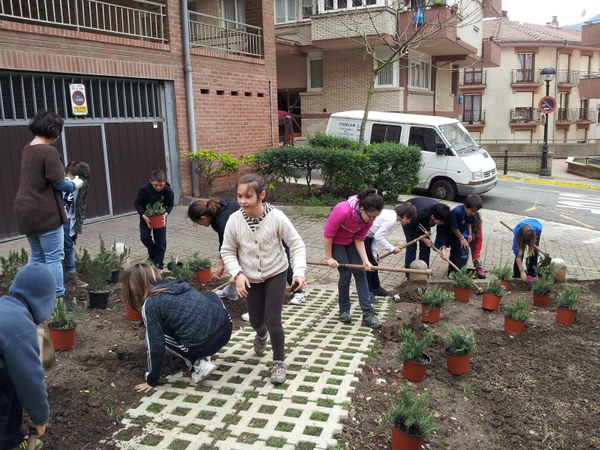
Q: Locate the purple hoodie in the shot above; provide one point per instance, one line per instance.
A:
(345, 224)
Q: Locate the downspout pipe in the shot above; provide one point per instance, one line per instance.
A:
(189, 92)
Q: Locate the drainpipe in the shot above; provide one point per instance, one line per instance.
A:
(271, 113)
(189, 93)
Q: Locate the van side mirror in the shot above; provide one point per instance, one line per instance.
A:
(440, 148)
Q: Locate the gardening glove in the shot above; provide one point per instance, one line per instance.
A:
(78, 182)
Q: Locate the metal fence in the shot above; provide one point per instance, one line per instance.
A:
(146, 22)
(225, 35)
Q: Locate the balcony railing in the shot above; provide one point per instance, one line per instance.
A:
(576, 114)
(525, 76)
(568, 77)
(146, 22)
(589, 115)
(225, 35)
(524, 115)
(470, 78)
(473, 116)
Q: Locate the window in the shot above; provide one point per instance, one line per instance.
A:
(333, 5)
(309, 8)
(385, 133)
(419, 72)
(474, 76)
(584, 110)
(235, 11)
(526, 63)
(472, 108)
(285, 11)
(315, 72)
(388, 76)
(426, 138)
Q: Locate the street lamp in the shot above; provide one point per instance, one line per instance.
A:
(547, 74)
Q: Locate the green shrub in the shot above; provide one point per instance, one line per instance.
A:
(517, 310)
(155, 209)
(211, 165)
(495, 288)
(542, 285)
(412, 347)
(569, 298)
(461, 278)
(180, 271)
(329, 141)
(196, 262)
(62, 317)
(411, 414)
(435, 296)
(96, 270)
(10, 266)
(459, 340)
(503, 273)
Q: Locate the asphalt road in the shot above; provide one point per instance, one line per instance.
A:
(567, 205)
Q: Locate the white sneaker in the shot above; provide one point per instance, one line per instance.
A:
(298, 298)
(228, 292)
(203, 367)
(246, 317)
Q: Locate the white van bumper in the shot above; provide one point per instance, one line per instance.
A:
(486, 185)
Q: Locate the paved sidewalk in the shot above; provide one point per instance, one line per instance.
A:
(238, 407)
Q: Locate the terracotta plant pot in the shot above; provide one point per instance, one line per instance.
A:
(462, 294)
(415, 371)
(430, 315)
(98, 299)
(565, 316)
(541, 300)
(62, 339)
(157, 221)
(203, 276)
(490, 302)
(404, 441)
(505, 284)
(458, 364)
(512, 326)
(132, 315)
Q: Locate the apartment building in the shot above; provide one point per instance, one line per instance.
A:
(140, 83)
(501, 104)
(323, 65)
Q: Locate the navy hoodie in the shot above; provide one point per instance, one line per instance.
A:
(30, 301)
(183, 313)
(148, 195)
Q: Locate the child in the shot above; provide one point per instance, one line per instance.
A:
(30, 301)
(190, 324)
(253, 254)
(460, 235)
(430, 213)
(155, 240)
(345, 231)
(527, 233)
(75, 204)
(476, 245)
(376, 241)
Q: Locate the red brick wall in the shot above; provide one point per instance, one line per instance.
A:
(235, 123)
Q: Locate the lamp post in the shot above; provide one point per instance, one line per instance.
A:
(547, 74)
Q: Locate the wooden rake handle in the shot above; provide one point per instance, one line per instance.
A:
(380, 268)
(423, 236)
(454, 266)
(546, 255)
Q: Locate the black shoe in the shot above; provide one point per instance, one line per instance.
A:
(381, 292)
(345, 317)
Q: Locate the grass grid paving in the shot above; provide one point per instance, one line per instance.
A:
(237, 407)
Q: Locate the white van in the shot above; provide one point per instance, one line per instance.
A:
(453, 163)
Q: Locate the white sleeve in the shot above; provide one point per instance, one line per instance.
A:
(380, 238)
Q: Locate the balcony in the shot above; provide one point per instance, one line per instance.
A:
(348, 28)
(490, 53)
(472, 81)
(586, 117)
(525, 80)
(437, 36)
(589, 85)
(524, 119)
(473, 120)
(145, 23)
(590, 34)
(224, 35)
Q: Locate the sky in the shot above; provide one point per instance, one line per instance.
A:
(541, 11)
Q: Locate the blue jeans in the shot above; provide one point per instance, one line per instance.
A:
(48, 248)
(347, 254)
(69, 251)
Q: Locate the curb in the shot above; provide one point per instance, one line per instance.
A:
(550, 182)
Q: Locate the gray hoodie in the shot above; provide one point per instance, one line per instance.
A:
(30, 301)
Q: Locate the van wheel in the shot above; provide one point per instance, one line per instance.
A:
(442, 189)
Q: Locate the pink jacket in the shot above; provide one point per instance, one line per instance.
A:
(345, 224)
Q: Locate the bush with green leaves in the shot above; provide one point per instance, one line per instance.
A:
(392, 168)
(96, 270)
(211, 165)
(517, 310)
(494, 287)
(461, 278)
(329, 141)
(503, 273)
(412, 347)
(180, 271)
(10, 266)
(63, 317)
(435, 296)
(197, 262)
(542, 285)
(155, 209)
(568, 298)
(411, 413)
(459, 340)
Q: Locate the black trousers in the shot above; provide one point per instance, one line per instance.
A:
(372, 277)
(155, 240)
(11, 413)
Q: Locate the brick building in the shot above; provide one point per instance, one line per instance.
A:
(130, 57)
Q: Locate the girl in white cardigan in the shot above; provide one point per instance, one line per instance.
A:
(254, 255)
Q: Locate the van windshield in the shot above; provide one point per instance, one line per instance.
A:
(459, 138)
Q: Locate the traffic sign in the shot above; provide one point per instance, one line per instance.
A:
(547, 104)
